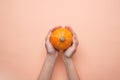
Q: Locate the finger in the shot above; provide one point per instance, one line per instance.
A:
(48, 35)
(70, 51)
(57, 27)
(75, 39)
(50, 31)
(69, 28)
(48, 45)
(75, 42)
(73, 33)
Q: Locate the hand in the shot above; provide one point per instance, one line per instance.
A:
(49, 47)
(72, 49)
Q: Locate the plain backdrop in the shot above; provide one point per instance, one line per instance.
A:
(25, 23)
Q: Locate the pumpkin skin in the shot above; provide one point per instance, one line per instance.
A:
(61, 38)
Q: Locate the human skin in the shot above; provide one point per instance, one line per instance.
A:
(25, 23)
(52, 53)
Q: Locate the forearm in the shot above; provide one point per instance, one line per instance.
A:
(48, 66)
(71, 71)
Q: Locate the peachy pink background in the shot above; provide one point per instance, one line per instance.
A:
(25, 23)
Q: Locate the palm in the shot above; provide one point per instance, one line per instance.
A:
(48, 45)
(71, 50)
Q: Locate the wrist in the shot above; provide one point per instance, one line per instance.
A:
(67, 56)
(67, 59)
(52, 55)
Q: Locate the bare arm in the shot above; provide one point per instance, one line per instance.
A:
(49, 63)
(47, 69)
(71, 70)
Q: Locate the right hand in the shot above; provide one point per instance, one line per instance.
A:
(72, 49)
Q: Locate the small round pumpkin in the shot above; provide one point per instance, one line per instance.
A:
(61, 38)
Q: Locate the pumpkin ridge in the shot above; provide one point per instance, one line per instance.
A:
(61, 38)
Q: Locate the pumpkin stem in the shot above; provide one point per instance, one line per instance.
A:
(62, 38)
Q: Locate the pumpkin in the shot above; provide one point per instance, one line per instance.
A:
(61, 38)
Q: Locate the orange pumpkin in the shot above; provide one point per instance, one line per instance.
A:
(61, 38)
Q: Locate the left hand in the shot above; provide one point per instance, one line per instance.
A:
(72, 49)
(49, 47)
